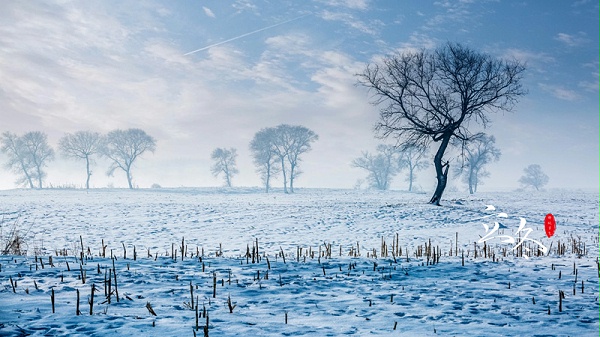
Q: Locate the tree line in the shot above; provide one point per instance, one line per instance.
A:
(30, 153)
(390, 160)
(274, 150)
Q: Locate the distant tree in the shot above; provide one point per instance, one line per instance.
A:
(224, 163)
(39, 152)
(123, 147)
(300, 142)
(534, 177)
(18, 160)
(264, 155)
(477, 153)
(434, 96)
(412, 158)
(81, 145)
(280, 147)
(289, 142)
(381, 166)
(28, 155)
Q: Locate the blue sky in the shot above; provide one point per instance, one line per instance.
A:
(100, 65)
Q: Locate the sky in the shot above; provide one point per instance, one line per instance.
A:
(197, 75)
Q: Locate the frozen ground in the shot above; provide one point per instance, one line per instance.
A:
(319, 292)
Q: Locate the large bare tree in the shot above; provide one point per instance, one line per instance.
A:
(224, 163)
(477, 152)
(434, 96)
(81, 145)
(28, 155)
(264, 156)
(123, 147)
(382, 166)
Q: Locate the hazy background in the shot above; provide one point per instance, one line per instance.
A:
(69, 66)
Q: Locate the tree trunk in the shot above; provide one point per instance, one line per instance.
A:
(27, 175)
(227, 177)
(267, 178)
(129, 178)
(284, 176)
(39, 172)
(87, 182)
(471, 181)
(441, 170)
(410, 176)
(292, 178)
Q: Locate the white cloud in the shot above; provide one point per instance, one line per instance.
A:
(453, 12)
(244, 5)
(352, 4)
(537, 61)
(572, 40)
(208, 12)
(591, 85)
(351, 21)
(161, 50)
(560, 92)
(580, 3)
(416, 42)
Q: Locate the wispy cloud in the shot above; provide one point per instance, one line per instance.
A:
(591, 85)
(244, 5)
(416, 42)
(452, 12)
(560, 92)
(244, 35)
(349, 20)
(208, 12)
(352, 4)
(534, 60)
(572, 40)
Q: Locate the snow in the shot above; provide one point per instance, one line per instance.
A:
(321, 292)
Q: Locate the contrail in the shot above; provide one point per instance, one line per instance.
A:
(244, 35)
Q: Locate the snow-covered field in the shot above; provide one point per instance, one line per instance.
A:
(329, 263)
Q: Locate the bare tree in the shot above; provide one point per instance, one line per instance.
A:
(433, 96)
(381, 166)
(28, 155)
(534, 177)
(81, 145)
(123, 147)
(289, 142)
(18, 160)
(224, 163)
(413, 159)
(281, 139)
(477, 153)
(39, 152)
(265, 158)
(300, 142)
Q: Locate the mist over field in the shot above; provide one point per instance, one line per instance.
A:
(197, 77)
